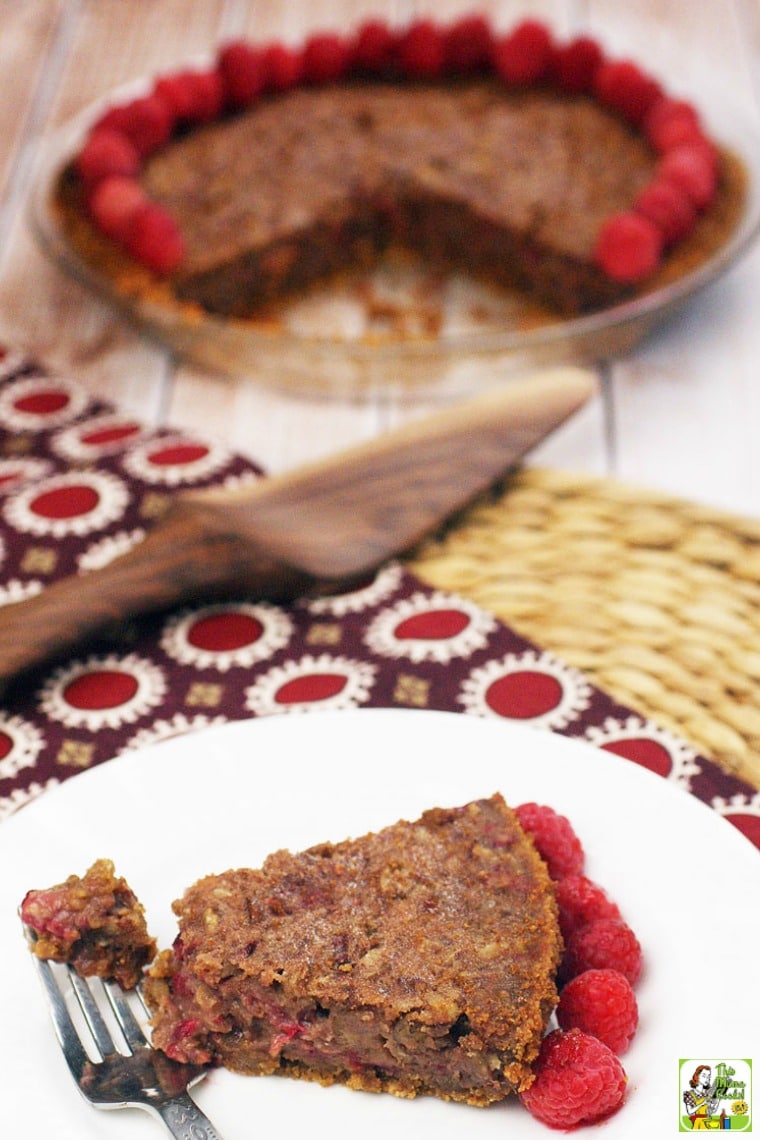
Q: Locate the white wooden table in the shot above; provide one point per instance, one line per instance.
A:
(681, 413)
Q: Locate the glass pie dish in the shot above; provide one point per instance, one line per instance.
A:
(400, 328)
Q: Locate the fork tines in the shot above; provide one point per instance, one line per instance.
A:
(110, 1055)
(91, 1001)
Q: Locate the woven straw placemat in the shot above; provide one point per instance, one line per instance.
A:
(655, 598)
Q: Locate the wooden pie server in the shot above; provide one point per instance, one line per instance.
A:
(328, 522)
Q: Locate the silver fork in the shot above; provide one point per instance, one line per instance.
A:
(119, 1074)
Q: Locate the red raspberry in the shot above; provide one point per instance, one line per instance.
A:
(579, 1080)
(663, 114)
(242, 70)
(147, 122)
(677, 131)
(114, 119)
(154, 239)
(628, 248)
(106, 153)
(605, 944)
(182, 984)
(184, 1044)
(671, 210)
(553, 837)
(623, 86)
(468, 45)
(526, 54)
(207, 95)
(176, 90)
(581, 901)
(692, 168)
(282, 67)
(421, 50)
(114, 203)
(46, 911)
(576, 63)
(374, 49)
(602, 1003)
(325, 58)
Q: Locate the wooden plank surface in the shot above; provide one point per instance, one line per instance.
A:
(26, 42)
(678, 413)
(100, 45)
(682, 405)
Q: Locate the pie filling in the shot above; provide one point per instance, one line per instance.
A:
(254, 1033)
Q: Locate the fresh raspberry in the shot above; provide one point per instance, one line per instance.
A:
(628, 247)
(581, 901)
(579, 1080)
(242, 70)
(575, 64)
(106, 153)
(326, 58)
(602, 1003)
(671, 210)
(374, 48)
(692, 168)
(678, 130)
(114, 119)
(114, 203)
(147, 122)
(177, 92)
(553, 837)
(605, 944)
(526, 54)
(207, 95)
(282, 67)
(121, 119)
(623, 86)
(666, 112)
(421, 50)
(468, 45)
(154, 239)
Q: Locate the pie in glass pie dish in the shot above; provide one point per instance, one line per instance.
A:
(400, 203)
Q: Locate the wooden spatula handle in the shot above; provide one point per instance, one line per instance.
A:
(180, 560)
(332, 521)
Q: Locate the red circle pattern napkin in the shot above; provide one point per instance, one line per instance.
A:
(81, 481)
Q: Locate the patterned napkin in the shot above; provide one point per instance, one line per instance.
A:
(80, 482)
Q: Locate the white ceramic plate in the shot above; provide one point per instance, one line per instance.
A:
(685, 879)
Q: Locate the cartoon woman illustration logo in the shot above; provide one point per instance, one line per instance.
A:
(701, 1106)
(716, 1099)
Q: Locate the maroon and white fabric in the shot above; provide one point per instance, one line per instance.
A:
(80, 482)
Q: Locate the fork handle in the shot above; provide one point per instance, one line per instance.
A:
(184, 1119)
